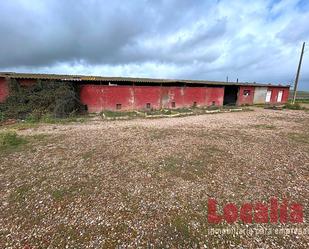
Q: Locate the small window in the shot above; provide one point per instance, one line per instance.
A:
(173, 104)
(148, 105)
(246, 92)
(118, 106)
(213, 103)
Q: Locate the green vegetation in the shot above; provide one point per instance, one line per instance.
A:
(115, 114)
(159, 112)
(265, 126)
(301, 95)
(10, 140)
(181, 226)
(20, 193)
(193, 167)
(299, 137)
(2, 116)
(179, 112)
(50, 119)
(295, 106)
(55, 99)
(70, 191)
(302, 101)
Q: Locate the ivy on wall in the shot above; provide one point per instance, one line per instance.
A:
(59, 99)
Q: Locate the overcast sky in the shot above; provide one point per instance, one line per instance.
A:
(256, 40)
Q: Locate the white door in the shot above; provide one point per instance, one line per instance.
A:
(268, 96)
(279, 98)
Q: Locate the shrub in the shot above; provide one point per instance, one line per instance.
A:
(59, 99)
(291, 106)
(2, 117)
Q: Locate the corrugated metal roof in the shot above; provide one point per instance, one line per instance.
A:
(62, 77)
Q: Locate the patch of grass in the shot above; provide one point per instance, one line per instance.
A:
(180, 224)
(196, 166)
(19, 194)
(115, 114)
(24, 126)
(230, 107)
(59, 194)
(295, 106)
(179, 112)
(37, 137)
(159, 112)
(305, 101)
(259, 105)
(51, 119)
(156, 134)
(30, 122)
(265, 126)
(10, 140)
(71, 191)
(178, 167)
(88, 155)
(184, 110)
(299, 137)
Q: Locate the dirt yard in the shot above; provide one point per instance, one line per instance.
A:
(146, 183)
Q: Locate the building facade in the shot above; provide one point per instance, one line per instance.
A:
(123, 94)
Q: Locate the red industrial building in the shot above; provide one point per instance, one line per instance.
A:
(117, 93)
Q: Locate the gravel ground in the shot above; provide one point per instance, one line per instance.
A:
(145, 183)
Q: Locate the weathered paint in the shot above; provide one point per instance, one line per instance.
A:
(143, 95)
(106, 97)
(170, 95)
(214, 96)
(115, 95)
(99, 98)
(4, 90)
(275, 92)
(194, 96)
(259, 95)
(244, 99)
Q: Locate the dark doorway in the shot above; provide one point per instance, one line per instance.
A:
(230, 95)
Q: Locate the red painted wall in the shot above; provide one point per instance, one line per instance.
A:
(4, 90)
(194, 94)
(245, 99)
(186, 96)
(214, 94)
(113, 95)
(170, 95)
(99, 98)
(274, 94)
(146, 94)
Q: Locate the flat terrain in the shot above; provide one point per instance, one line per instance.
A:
(146, 183)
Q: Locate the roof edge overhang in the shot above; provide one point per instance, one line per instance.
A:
(79, 78)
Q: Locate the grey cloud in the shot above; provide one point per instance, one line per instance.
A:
(189, 39)
(64, 31)
(96, 31)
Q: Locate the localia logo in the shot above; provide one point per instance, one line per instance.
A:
(259, 212)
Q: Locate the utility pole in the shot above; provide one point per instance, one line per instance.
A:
(297, 74)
